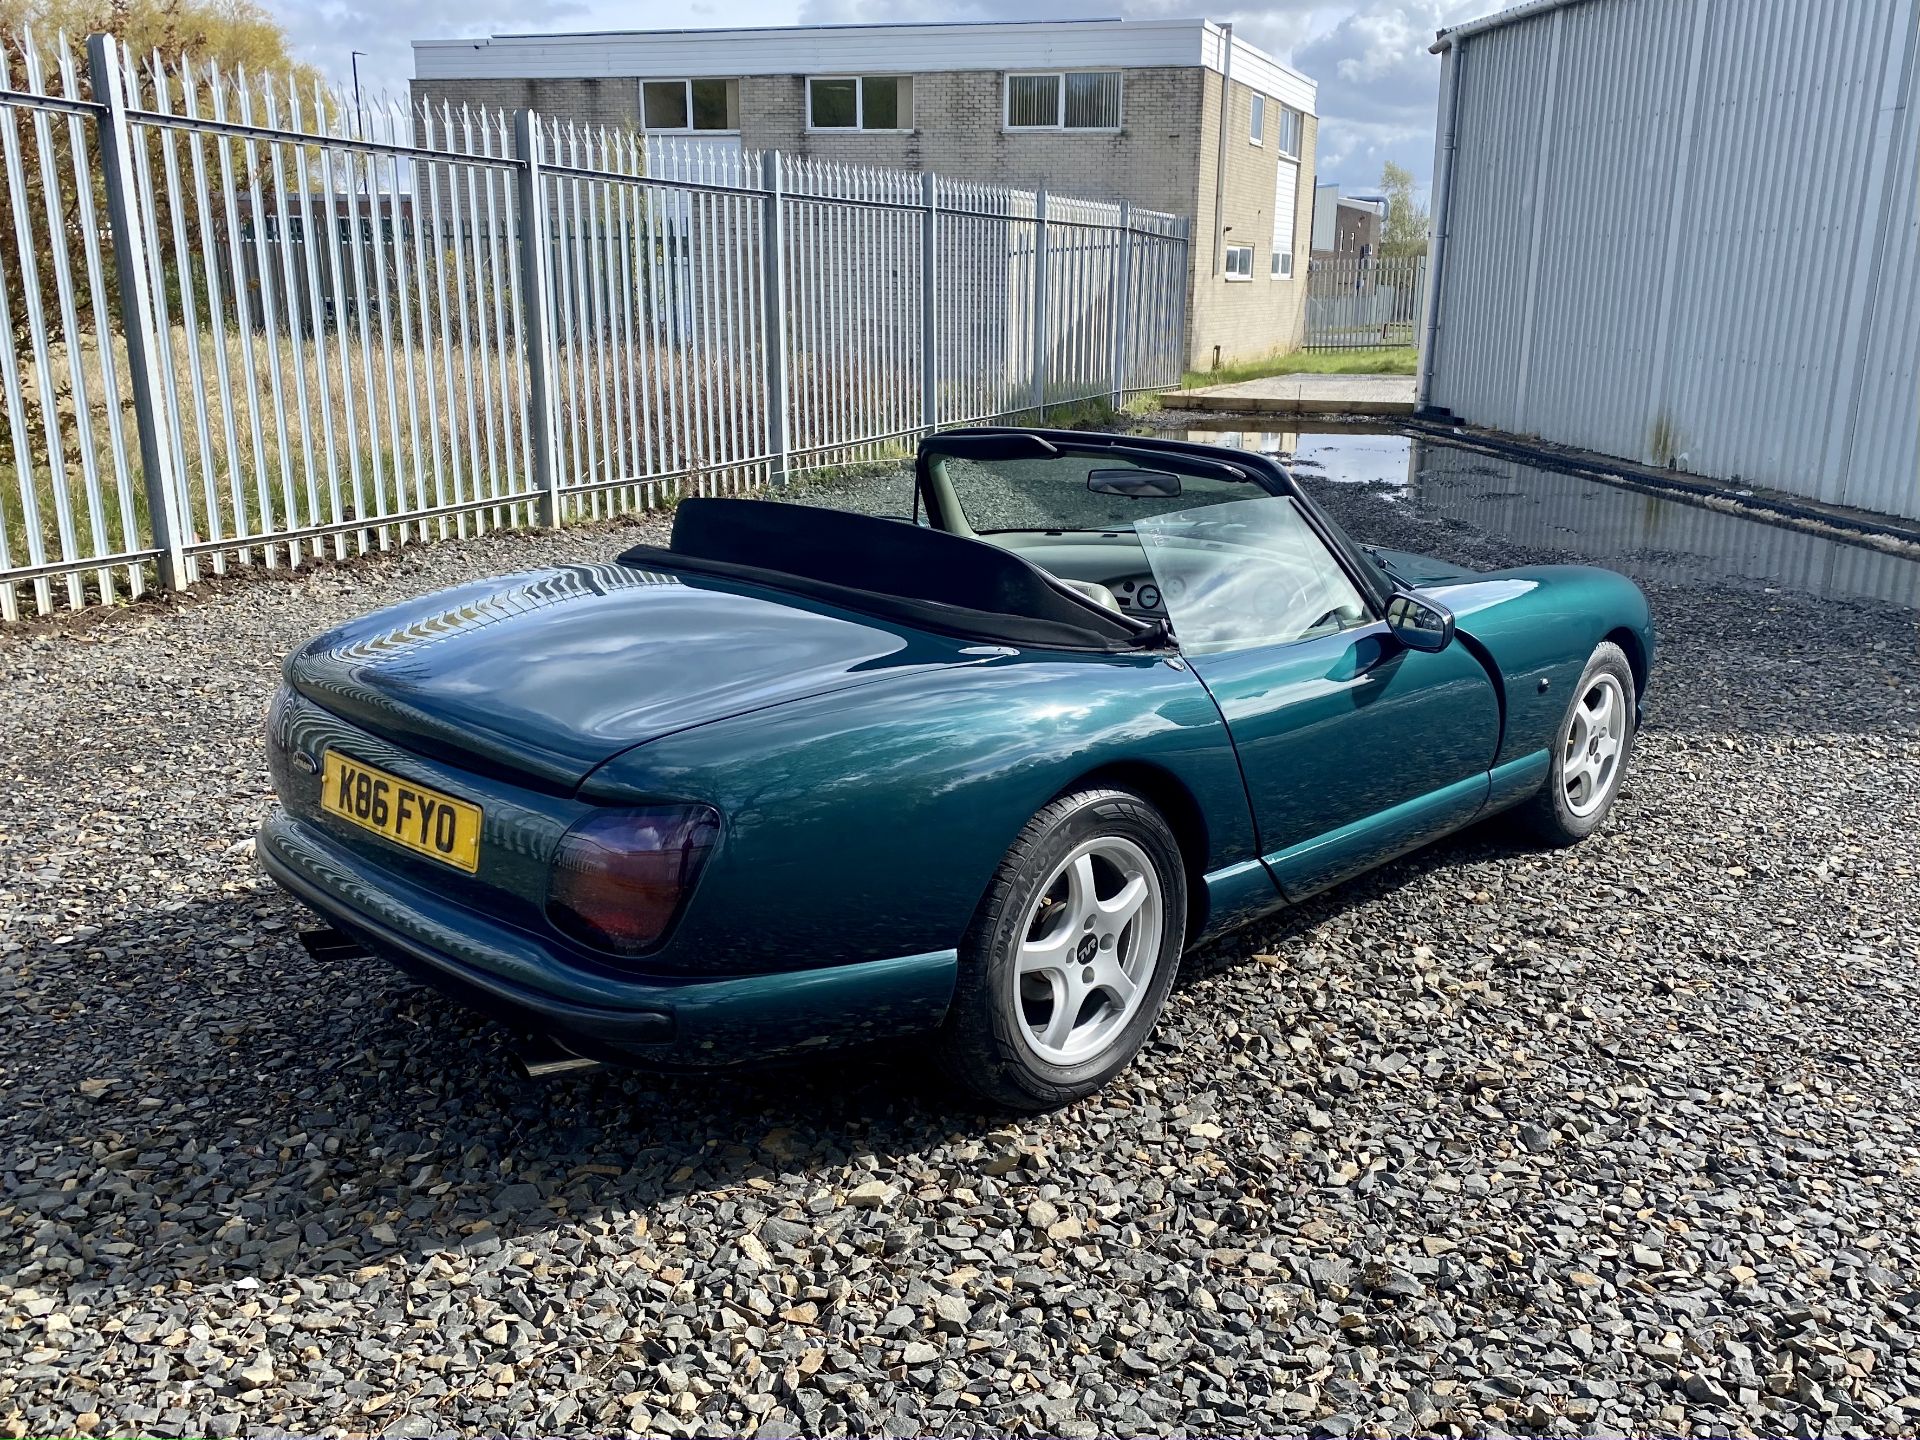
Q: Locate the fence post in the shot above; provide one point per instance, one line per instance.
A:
(773, 259)
(536, 324)
(136, 311)
(1122, 309)
(1040, 304)
(1184, 284)
(929, 310)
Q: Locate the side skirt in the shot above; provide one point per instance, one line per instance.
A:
(1518, 780)
(1313, 865)
(1236, 895)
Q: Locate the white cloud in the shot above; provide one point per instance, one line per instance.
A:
(1379, 87)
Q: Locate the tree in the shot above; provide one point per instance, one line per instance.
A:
(232, 34)
(1407, 219)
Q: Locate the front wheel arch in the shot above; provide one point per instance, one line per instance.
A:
(1636, 654)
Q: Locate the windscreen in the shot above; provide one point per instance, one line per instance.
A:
(1246, 574)
(1082, 491)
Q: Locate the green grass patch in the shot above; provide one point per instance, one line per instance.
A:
(1396, 360)
(1096, 413)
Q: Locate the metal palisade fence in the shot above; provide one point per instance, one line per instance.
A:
(1356, 303)
(249, 324)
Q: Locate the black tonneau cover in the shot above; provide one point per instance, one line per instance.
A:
(891, 569)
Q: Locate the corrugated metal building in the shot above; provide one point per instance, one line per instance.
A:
(1687, 232)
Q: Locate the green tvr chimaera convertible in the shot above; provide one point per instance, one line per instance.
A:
(807, 777)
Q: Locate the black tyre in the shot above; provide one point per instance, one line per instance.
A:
(1070, 955)
(1590, 752)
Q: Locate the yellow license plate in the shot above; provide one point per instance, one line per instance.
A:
(422, 820)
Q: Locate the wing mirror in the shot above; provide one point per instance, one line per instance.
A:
(1418, 623)
(1135, 484)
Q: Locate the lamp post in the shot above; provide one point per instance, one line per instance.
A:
(359, 118)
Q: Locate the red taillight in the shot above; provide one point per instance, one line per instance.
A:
(619, 878)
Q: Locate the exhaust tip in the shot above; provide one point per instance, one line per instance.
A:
(330, 944)
(541, 1057)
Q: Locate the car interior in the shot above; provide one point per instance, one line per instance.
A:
(1135, 526)
(1108, 567)
(918, 574)
(1070, 514)
(1105, 545)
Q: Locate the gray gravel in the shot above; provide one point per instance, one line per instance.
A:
(1618, 1139)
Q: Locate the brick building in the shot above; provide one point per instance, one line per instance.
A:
(1346, 227)
(1156, 112)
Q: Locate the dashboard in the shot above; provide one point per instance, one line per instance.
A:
(1112, 558)
(1139, 596)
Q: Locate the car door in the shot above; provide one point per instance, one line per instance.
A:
(1354, 748)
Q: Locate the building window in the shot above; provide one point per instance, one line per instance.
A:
(859, 102)
(1288, 141)
(1069, 100)
(1286, 199)
(886, 103)
(687, 105)
(1257, 127)
(1239, 262)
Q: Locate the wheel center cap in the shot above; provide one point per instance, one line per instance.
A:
(1089, 947)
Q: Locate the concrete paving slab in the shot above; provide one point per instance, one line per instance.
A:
(1298, 394)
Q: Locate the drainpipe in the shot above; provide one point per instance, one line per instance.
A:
(1220, 161)
(1443, 144)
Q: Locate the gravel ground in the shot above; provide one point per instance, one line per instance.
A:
(1616, 1139)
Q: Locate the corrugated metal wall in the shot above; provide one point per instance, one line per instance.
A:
(1890, 382)
(1687, 232)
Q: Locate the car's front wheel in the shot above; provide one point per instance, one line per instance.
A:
(1590, 755)
(1071, 954)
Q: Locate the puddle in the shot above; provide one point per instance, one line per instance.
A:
(1646, 536)
(1357, 456)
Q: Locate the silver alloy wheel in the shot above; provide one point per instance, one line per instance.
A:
(1596, 735)
(1088, 948)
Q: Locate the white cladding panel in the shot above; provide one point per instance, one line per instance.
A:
(1286, 190)
(1685, 231)
(1326, 211)
(862, 49)
(1258, 70)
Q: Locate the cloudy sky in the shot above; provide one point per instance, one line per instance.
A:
(1377, 81)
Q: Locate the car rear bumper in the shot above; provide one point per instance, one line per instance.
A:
(508, 974)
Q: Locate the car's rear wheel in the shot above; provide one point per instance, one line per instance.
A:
(1071, 954)
(1590, 752)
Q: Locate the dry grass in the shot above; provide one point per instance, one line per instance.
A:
(449, 430)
